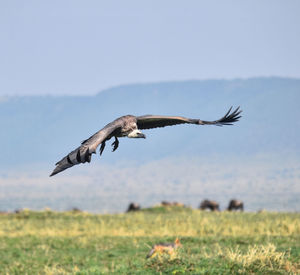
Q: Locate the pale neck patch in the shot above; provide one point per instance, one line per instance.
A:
(135, 134)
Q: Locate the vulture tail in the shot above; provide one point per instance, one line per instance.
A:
(79, 155)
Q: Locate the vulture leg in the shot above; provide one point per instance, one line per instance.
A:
(115, 144)
(102, 147)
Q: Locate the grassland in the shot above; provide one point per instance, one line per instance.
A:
(50, 242)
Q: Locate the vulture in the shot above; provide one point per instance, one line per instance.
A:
(130, 126)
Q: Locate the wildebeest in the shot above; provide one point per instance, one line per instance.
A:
(166, 203)
(235, 205)
(76, 210)
(208, 204)
(133, 207)
(174, 203)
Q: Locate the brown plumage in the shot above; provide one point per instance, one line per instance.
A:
(130, 126)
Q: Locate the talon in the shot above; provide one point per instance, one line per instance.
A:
(115, 144)
(102, 147)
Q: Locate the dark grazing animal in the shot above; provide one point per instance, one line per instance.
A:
(208, 204)
(131, 126)
(174, 203)
(166, 203)
(76, 210)
(133, 207)
(235, 205)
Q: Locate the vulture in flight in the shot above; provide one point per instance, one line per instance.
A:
(131, 126)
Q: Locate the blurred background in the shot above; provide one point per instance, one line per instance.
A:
(67, 68)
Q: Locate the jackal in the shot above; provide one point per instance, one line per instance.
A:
(161, 248)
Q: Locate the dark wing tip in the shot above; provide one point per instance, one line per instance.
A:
(53, 173)
(230, 117)
(57, 169)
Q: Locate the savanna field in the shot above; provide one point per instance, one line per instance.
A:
(75, 242)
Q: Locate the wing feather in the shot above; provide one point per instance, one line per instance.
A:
(155, 121)
(88, 147)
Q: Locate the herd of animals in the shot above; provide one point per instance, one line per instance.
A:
(171, 248)
(234, 205)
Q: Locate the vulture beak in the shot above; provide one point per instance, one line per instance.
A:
(142, 135)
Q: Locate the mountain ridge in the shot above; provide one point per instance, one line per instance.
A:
(44, 129)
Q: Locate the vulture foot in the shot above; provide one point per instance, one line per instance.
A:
(115, 144)
(102, 147)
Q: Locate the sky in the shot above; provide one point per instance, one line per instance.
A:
(82, 47)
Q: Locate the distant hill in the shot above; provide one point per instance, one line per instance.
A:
(43, 129)
(256, 160)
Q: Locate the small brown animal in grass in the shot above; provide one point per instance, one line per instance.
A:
(164, 248)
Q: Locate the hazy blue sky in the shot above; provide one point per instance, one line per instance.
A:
(82, 47)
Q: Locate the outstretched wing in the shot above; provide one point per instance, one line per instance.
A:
(153, 121)
(88, 147)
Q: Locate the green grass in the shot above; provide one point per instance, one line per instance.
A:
(213, 243)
